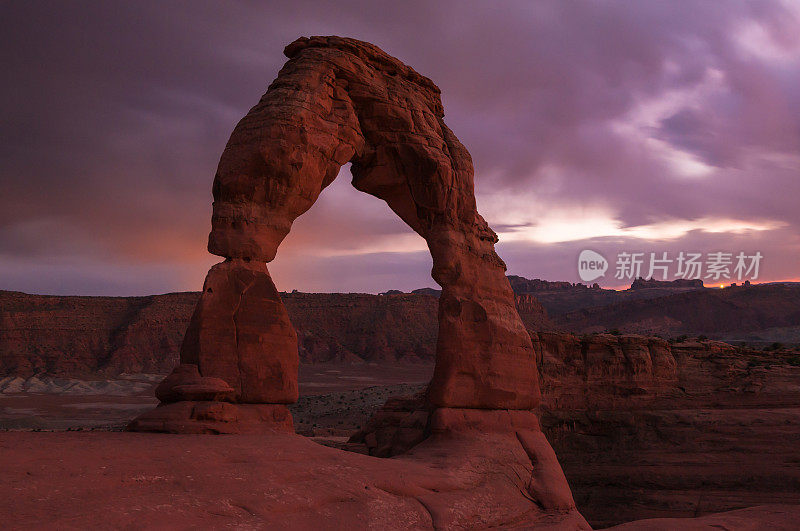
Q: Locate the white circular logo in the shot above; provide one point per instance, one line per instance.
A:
(591, 265)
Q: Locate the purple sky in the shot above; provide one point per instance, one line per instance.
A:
(614, 126)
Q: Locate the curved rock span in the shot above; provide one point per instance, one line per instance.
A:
(336, 101)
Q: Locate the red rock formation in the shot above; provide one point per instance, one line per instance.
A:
(454, 480)
(185, 383)
(340, 100)
(601, 370)
(337, 101)
(238, 359)
(89, 337)
(645, 428)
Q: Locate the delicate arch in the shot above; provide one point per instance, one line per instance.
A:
(335, 101)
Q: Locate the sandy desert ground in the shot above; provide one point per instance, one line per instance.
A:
(335, 398)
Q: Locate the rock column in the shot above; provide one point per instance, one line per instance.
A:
(239, 359)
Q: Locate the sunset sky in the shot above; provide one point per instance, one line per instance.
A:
(612, 126)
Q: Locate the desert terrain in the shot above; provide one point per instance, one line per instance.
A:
(256, 268)
(643, 427)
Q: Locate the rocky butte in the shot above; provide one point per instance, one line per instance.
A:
(336, 101)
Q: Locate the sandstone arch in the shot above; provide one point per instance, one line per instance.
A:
(336, 101)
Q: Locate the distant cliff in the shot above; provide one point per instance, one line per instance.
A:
(86, 336)
(734, 313)
(525, 285)
(646, 428)
(362, 327)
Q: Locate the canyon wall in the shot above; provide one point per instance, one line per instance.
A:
(106, 336)
(676, 430)
(86, 337)
(354, 327)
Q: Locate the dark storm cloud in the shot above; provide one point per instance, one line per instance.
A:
(115, 113)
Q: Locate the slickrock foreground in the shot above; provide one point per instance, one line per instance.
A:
(128, 480)
(278, 481)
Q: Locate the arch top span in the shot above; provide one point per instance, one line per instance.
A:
(340, 100)
(336, 101)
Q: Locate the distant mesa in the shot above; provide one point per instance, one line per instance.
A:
(641, 283)
(427, 291)
(392, 292)
(524, 285)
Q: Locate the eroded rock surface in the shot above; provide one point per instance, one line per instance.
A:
(646, 428)
(578, 373)
(455, 480)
